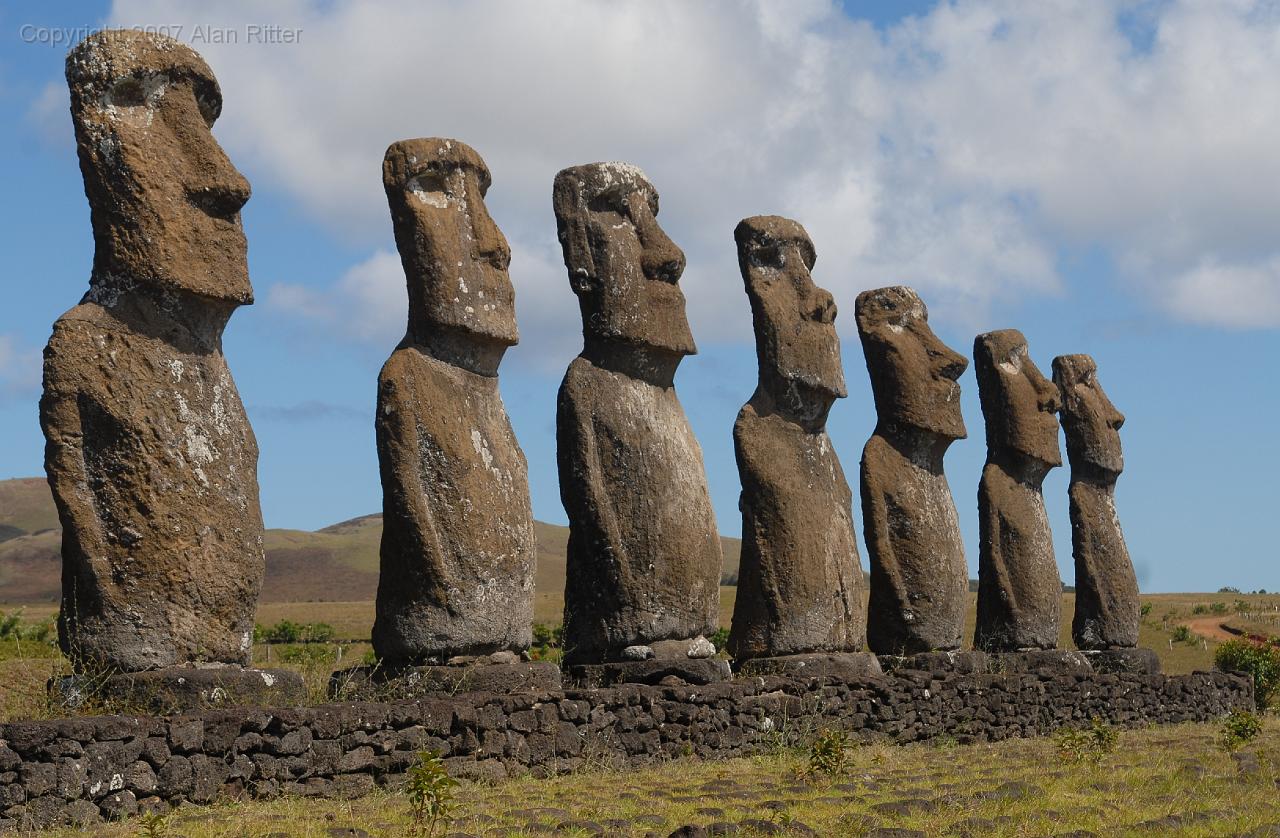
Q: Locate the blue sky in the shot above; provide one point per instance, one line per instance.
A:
(1101, 176)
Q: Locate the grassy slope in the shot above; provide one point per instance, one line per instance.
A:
(1171, 780)
(339, 562)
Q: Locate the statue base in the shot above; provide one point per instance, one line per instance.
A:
(960, 662)
(1063, 661)
(698, 671)
(178, 689)
(376, 683)
(849, 666)
(1124, 661)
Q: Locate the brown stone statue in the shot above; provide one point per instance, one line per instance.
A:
(644, 554)
(457, 542)
(1107, 608)
(800, 585)
(919, 579)
(149, 453)
(1019, 589)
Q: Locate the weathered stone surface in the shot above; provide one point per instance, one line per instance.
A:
(457, 542)
(365, 683)
(148, 449)
(1040, 660)
(966, 662)
(183, 688)
(1019, 590)
(1135, 661)
(919, 579)
(800, 584)
(1108, 611)
(688, 670)
(644, 555)
(849, 666)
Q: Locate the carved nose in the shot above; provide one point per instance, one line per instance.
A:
(224, 193)
(1117, 420)
(824, 309)
(491, 245)
(661, 259)
(1047, 397)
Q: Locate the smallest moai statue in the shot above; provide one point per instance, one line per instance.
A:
(1108, 612)
(800, 589)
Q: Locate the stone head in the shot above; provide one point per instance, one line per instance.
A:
(1091, 422)
(455, 258)
(796, 340)
(622, 266)
(164, 198)
(914, 375)
(1018, 402)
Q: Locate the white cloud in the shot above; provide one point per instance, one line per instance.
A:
(19, 369)
(959, 151)
(369, 302)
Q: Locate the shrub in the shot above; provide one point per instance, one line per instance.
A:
(287, 631)
(720, 639)
(1200, 608)
(829, 753)
(1261, 661)
(1182, 634)
(1090, 744)
(1218, 608)
(1146, 610)
(430, 791)
(1239, 728)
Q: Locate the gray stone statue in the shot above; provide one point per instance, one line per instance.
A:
(1107, 611)
(149, 453)
(800, 586)
(458, 546)
(1019, 589)
(644, 555)
(919, 579)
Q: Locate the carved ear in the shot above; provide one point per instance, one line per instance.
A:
(573, 218)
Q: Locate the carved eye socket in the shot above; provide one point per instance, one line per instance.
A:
(768, 256)
(127, 93)
(429, 188)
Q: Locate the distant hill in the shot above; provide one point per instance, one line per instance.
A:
(337, 563)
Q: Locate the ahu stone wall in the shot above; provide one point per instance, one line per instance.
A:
(80, 770)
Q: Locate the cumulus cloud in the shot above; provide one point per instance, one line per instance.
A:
(959, 151)
(19, 369)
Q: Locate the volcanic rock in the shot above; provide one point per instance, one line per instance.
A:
(148, 451)
(800, 583)
(644, 558)
(1019, 590)
(919, 579)
(1108, 612)
(457, 553)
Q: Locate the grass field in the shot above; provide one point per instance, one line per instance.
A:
(1160, 781)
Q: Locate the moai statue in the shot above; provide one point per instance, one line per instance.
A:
(644, 554)
(149, 453)
(1108, 611)
(1019, 589)
(458, 551)
(919, 579)
(800, 586)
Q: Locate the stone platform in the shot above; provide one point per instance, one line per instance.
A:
(849, 666)
(375, 683)
(1135, 661)
(1057, 661)
(967, 662)
(696, 671)
(180, 689)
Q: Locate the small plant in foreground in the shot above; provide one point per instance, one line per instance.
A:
(430, 790)
(1091, 744)
(1238, 729)
(829, 753)
(1259, 660)
(153, 825)
(1183, 634)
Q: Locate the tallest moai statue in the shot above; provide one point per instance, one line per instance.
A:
(149, 453)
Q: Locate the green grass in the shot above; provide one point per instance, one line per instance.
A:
(1017, 788)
